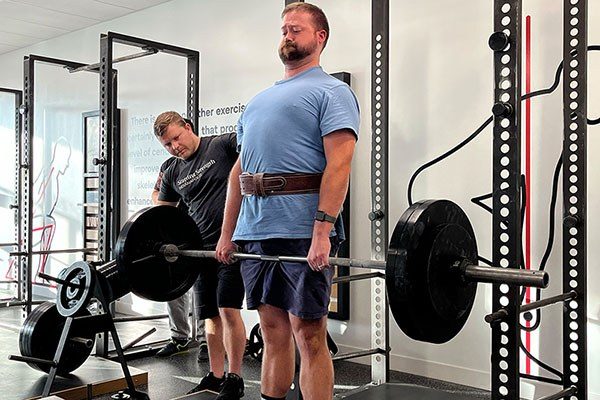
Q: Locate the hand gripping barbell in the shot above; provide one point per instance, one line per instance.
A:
(431, 271)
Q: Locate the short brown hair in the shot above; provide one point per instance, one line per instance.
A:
(165, 119)
(318, 16)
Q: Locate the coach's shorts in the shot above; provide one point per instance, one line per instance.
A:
(293, 287)
(218, 286)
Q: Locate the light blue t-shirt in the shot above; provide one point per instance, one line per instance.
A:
(281, 131)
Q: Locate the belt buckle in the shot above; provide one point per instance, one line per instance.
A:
(243, 175)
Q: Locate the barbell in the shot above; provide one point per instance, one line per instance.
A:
(430, 269)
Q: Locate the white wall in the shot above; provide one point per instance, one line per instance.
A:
(441, 89)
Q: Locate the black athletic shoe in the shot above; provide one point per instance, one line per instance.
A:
(232, 388)
(209, 382)
(175, 346)
(203, 352)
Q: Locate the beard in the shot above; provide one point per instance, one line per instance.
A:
(290, 51)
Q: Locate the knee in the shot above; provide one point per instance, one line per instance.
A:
(310, 342)
(268, 326)
(212, 325)
(274, 334)
(230, 315)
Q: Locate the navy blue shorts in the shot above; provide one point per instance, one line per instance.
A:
(293, 287)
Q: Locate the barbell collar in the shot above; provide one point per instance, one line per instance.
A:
(508, 276)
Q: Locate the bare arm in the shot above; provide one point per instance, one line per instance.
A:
(158, 202)
(166, 203)
(156, 193)
(233, 203)
(154, 196)
(339, 149)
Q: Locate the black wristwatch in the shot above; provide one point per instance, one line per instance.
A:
(324, 217)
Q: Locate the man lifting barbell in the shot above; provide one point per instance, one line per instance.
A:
(199, 178)
(297, 140)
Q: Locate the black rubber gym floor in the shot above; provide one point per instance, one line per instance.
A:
(172, 377)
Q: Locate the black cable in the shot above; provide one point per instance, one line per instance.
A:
(542, 379)
(485, 261)
(541, 92)
(540, 363)
(479, 201)
(549, 90)
(550, 242)
(445, 155)
(524, 206)
(552, 217)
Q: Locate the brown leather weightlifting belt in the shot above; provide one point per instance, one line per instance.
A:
(277, 184)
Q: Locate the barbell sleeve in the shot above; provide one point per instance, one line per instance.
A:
(509, 276)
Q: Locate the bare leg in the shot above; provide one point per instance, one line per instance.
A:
(316, 368)
(216, 350)
(234, 337)
(278, 361)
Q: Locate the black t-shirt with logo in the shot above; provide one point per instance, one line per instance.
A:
(201, 183)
